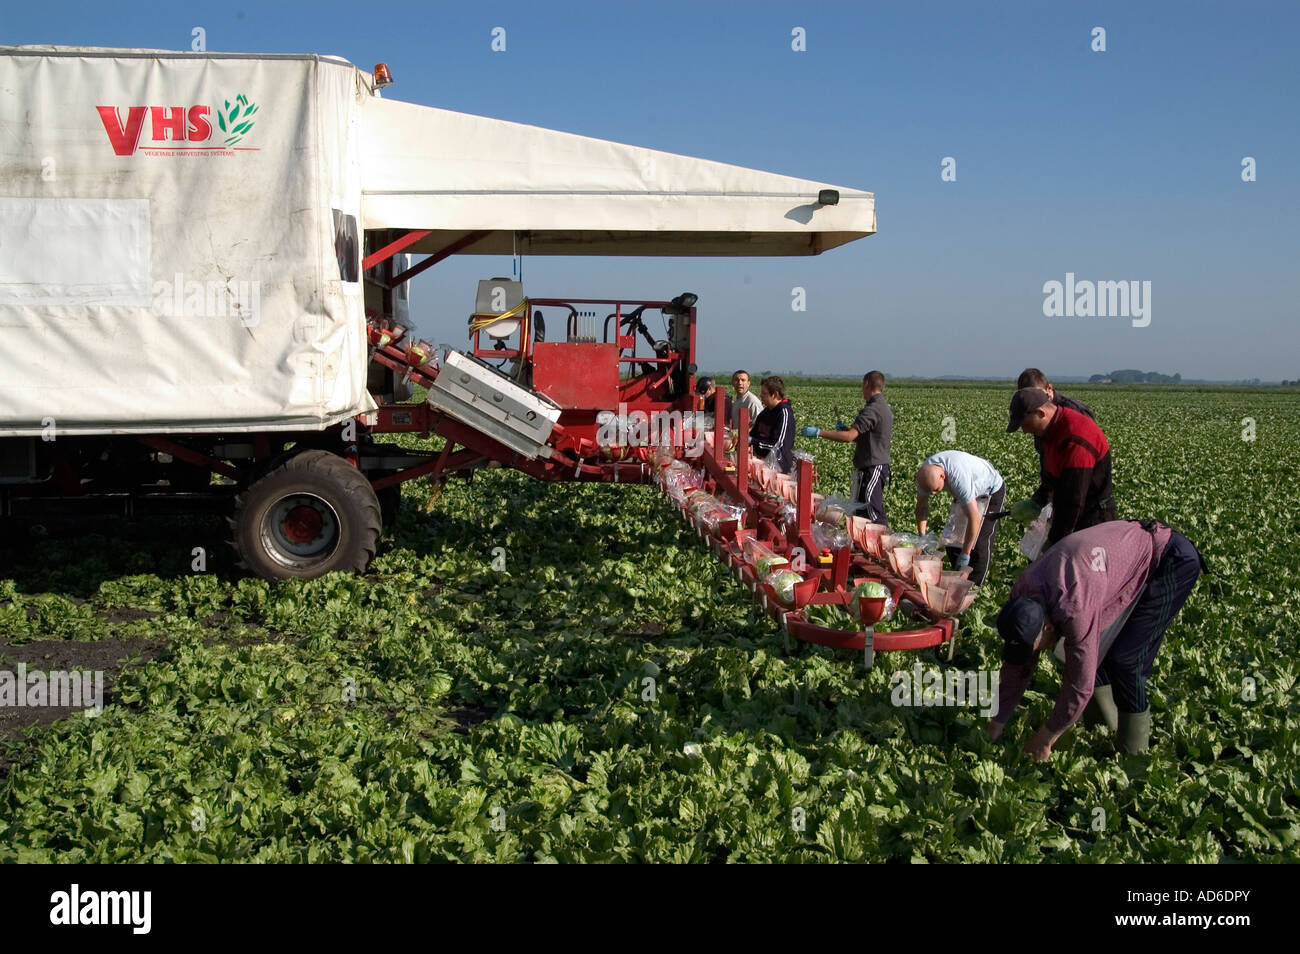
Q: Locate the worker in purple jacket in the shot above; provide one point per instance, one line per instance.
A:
(1107, 593)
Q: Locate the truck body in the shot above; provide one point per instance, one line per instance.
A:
(171, 234)
(204, 261)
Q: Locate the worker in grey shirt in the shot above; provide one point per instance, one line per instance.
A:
(872, 432)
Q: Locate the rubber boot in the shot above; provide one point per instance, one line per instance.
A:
(1101, 709)
(1134, 731)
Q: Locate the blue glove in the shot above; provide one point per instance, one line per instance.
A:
(960, 560)
(841, 426)
(810, 431)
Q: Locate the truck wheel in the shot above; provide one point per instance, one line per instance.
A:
(313, 514)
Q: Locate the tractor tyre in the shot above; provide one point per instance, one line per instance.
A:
(311, 515)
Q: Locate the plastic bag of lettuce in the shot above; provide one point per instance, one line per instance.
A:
(783, 582)
(834, 509)
(871, 590)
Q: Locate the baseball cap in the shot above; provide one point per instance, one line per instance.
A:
(703, 384)
(1024, 401)
(1019, 623)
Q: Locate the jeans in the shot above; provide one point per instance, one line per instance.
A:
(1127, 666)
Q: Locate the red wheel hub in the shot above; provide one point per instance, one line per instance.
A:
(303, 524)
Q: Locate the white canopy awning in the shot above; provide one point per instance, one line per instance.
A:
(543, 192)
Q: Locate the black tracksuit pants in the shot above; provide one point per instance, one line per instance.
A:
(869, 493)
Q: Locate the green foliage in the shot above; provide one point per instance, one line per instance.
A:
(613, 695)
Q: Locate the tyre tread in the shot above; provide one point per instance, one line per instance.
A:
(326, 469)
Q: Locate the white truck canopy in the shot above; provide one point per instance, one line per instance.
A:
(564, 194)
(171, 230)
(181, 233)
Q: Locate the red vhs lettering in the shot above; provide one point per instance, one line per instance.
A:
(126, 137)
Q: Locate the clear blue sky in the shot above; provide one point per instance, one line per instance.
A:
(1117, 165)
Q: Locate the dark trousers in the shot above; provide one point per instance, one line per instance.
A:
(1127, 666)
(869, 493)
(983, 552)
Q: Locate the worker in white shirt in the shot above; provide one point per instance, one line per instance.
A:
(976, 489)
(744, 398)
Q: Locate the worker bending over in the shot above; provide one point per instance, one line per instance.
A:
(1027, 510)
(976, 489)
(1108, 593)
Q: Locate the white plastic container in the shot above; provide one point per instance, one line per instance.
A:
(954, 531)
(1031, 544)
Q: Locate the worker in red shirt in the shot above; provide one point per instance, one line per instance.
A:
(1076, 459)
(1027, 510)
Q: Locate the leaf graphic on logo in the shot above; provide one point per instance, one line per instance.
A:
(227, 118)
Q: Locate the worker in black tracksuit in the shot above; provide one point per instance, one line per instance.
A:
(773, 430)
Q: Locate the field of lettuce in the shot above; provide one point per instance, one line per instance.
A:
(599, 688)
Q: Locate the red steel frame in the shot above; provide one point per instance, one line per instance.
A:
(632, 392)
(824, 583)
(828, 577)
(576, 453)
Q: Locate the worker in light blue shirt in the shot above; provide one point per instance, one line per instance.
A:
(976, 488)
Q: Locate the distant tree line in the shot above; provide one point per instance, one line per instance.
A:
(1135, 377)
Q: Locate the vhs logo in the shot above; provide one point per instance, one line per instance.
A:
(174, 128)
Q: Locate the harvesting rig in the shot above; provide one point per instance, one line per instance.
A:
(223, 251)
